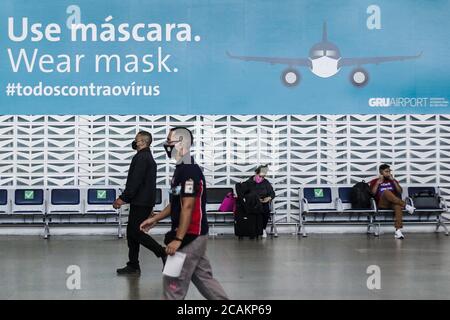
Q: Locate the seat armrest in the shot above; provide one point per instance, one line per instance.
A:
(339, 205)
(374, 205)
(272, 206)
(441, 199)
(304, 205)
(409, 201)
(442, 203)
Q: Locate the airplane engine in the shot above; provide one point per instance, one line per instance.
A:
(359, 77)
(290, 77)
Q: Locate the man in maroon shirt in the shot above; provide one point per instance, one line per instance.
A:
(388, 193)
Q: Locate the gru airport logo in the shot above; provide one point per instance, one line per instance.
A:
(408, 102)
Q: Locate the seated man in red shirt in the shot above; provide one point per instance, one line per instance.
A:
(388, 193)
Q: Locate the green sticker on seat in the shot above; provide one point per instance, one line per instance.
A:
(101, 194)
(29, 194)
(318, 193)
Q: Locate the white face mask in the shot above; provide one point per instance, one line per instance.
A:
(325, 67)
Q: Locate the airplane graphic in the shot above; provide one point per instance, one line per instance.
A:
(325, 61)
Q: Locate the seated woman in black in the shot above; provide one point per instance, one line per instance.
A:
(263, 188)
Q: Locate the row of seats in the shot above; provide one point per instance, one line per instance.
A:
(79, 200)
(93, 201)
(323, 203)
(313, 200)
(58, 200)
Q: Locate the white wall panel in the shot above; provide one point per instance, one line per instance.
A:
(300, 149)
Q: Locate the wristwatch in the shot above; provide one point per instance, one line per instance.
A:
(178, 239)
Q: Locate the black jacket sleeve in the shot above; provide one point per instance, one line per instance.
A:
(270, 189)
(136, 176)
(153, 169)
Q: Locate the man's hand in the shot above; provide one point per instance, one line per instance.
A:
(173, 247)
(147, 225)
(118, 203)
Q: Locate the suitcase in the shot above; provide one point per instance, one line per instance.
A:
(248, 225)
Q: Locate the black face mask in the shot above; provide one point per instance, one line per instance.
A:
(169, 149)
(134, 145)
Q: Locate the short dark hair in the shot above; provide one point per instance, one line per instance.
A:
(184, 128)
(383, 167)
(147, 136)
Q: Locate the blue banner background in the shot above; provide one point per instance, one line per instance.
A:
(208, 82)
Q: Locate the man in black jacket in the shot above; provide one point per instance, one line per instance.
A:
(140, 192)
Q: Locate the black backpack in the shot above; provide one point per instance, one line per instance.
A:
(247, 198)
(360, 196)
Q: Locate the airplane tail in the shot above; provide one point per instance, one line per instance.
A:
(324, 32)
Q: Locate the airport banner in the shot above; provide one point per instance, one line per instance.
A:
(224, 57)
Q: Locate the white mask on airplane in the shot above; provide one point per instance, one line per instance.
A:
(324, 67)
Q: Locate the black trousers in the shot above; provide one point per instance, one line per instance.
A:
(136, 237)
(265, 214)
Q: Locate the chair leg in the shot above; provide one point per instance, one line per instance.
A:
(300, 227)
(273, 227)
(119, 227)
(46, 229)
(445, 228)
(213, 230)
(119, 231)
(377, 230)
(304, 234)
(439, 223)
(371, 225)
(275, 230)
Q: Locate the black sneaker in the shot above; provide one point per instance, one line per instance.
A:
(129, 271)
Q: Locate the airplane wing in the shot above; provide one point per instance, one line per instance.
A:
(374, 60)
(272, 60)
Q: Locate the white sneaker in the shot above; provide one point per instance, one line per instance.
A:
(399, 234)
(410, 209)
(264, 235)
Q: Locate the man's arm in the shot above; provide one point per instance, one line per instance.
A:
(374, 185)
(187, 205)
(271, 192)
(163, 214)
(153, 169)
(152, 220)
(398, 188)
(135, 180)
